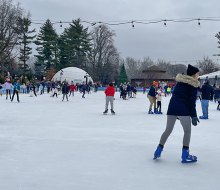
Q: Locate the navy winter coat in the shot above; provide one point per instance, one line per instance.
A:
(183, 100)
(65, 89)
(207, 91)
(152, 91)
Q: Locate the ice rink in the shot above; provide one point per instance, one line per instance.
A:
(47, 144)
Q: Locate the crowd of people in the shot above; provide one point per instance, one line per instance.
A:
(182, 106)
(11, 88)
(127, 91)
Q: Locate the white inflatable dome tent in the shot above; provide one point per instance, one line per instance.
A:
(72, 74)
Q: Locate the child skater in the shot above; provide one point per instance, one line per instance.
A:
(159, 99)
(182, 106)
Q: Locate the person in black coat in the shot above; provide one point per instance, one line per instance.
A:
(83, 88)
(65, 90)
(182, 106)
(207, 94)
(217, 97)
(152, 98)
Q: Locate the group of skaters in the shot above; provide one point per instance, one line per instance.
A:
(10, 89)
(182, 107)
(155, 98)
(127, 91)
(34, 89)
(205, 93)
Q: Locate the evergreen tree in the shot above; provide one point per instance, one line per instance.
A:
(123, 75)
(47, 46)
(74, 45)
(25, 40)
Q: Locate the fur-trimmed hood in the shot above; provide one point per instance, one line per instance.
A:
(188, 80)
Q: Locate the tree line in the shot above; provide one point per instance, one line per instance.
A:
(25, 52)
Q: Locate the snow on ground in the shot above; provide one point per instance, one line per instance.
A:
(47, 144)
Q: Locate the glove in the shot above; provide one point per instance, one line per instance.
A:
(195, 120)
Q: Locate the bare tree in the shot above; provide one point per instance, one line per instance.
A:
(9, 28)
(207, 66)
(171, 69)
(104, 57)
(132, 67)
(146, 63)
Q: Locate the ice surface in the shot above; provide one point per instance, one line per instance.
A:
(47, 144)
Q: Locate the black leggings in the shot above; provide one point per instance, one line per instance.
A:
(8, 92)
(159, 106)
(15, 92)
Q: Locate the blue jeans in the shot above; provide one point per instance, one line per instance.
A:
(205, 106)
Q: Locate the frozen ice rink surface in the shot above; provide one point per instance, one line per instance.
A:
(47, 144)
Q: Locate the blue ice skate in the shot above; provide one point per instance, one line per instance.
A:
(158, 151)
(186, 157)
(156, 111)
(203, 117)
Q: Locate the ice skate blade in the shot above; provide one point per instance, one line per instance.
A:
(156, 157)
(188, 161)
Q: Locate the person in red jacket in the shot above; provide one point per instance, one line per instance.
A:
(109, 92)
(72, 88)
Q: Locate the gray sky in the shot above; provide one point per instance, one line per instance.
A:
(175, 42)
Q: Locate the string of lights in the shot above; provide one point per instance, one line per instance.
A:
(134, 22)
(188, 61)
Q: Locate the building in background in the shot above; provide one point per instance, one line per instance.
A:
(153, 73)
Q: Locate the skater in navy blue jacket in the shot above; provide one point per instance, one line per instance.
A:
(182, 106)
(152, 98)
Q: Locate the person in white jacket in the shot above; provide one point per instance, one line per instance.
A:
(159, 100)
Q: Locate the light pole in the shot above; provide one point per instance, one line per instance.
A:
(61, 74)
(86, 77)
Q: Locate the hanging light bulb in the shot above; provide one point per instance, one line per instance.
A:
(61, 24)
(165, 23)
(199, 22)
(132, 22)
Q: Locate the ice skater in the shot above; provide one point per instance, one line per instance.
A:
(55, 92)
(8, 87)
(152, 98)
(207, 92)
(16, 91)
(182, 106)
(1, 88)
(65, 90)
(109, 92)
(72, 88)
(159, 100)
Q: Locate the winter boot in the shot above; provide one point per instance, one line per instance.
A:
(158, 151)
(186, 157)
(150, 112)
(105, 112)
(112, 111)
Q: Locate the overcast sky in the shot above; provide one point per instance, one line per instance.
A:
(175, 42)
